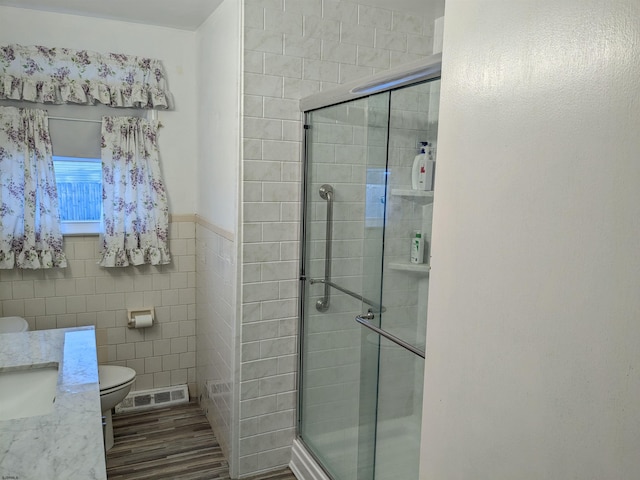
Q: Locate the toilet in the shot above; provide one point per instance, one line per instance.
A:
(115, 383)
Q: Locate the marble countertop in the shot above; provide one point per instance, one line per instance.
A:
(67, 443)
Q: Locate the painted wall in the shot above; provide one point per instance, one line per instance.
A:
(533, 366)
(218, 70)
(176, 49)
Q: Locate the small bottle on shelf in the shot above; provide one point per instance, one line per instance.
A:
(417, 247)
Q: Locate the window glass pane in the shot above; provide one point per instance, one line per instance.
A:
(375, 197)
(79, 182)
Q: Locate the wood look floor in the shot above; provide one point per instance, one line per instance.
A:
(170, 443)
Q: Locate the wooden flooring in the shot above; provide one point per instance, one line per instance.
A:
(169, 443)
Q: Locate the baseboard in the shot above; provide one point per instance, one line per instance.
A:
(303, 465)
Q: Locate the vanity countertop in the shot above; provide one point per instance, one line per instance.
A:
(67, 443)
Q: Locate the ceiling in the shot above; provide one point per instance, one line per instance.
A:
(182, 14)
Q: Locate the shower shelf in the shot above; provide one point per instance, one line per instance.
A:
(421, 268)
(415, 195)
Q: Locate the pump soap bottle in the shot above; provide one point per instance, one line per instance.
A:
(423, 168)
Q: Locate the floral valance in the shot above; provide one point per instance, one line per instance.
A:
(61, 75)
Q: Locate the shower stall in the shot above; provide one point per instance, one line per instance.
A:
(363, 298)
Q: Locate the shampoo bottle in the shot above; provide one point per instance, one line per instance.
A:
(419, 170)
(417, 247)
(423, 168)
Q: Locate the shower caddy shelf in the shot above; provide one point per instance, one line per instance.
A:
(424, 198)
(419, 196)
(419, 268)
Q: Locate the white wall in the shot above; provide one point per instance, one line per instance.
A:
(533, 365)
(218, 56)
(176, 49)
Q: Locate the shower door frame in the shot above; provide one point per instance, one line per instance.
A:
(426, 69)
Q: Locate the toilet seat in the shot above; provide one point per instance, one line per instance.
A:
(114, 377)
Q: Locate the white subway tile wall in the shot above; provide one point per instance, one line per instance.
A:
(216, 341)
(86, 294)
(292, 49)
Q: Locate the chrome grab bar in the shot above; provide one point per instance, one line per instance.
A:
(379, 308)
(364, 321)
(326, 193)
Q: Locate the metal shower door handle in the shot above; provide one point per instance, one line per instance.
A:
(326, 193)
(364, 320)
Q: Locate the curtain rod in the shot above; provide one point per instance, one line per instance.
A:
(75, 119)
(69, 119)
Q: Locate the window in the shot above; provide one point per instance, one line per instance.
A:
(75, 136)
(375, 197)
(79, 184)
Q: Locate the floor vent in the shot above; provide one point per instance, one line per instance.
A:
(158, 397)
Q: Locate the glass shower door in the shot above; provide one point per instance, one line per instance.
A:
(344, 223)
(413, 123)
(364, 301)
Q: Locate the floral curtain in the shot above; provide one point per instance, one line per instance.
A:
(30, 234)
(60, 75)
(135, 209)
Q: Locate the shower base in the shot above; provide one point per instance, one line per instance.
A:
(398, 441)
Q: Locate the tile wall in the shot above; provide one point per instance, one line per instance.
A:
(216, 280)
(291, 49)
(86, 294)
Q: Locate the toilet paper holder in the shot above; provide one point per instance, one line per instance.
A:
(139, 317)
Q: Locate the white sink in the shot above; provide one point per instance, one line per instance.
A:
(13, 325)
(28, 391)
